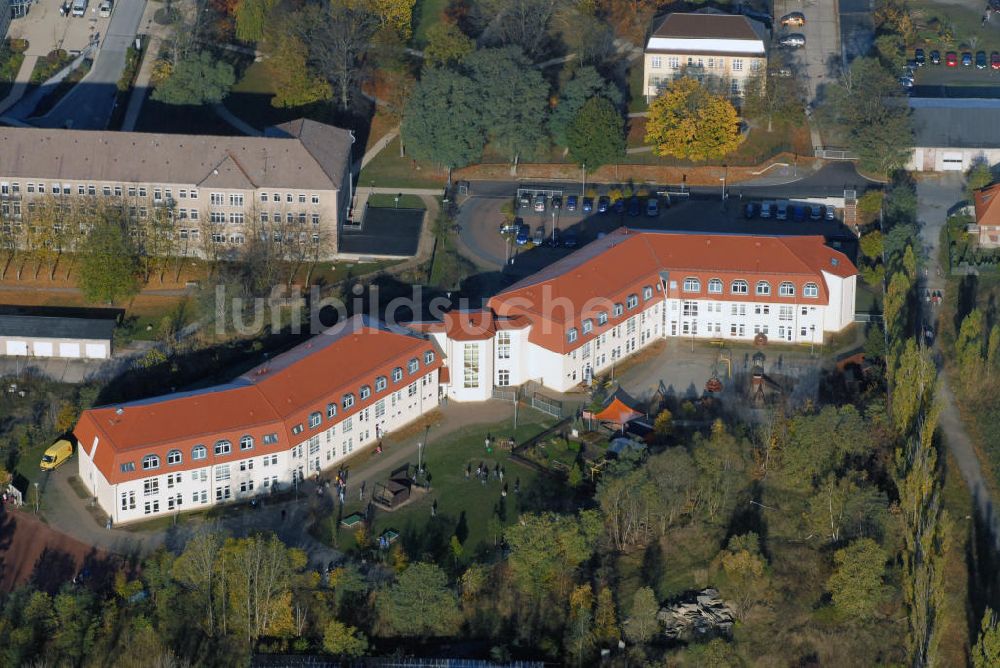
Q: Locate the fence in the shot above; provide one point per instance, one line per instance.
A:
(546, 404)
(834, 153)
(505, 394)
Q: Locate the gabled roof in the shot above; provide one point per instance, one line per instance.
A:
(987, 208)
(301, 154)
(706, 33)
(47, 327)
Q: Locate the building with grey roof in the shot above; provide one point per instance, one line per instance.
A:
(950, 134)
(293, 184)
(50, 336)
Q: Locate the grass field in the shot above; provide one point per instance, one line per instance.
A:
(955, 25)
(389, 202)
(388, 169)
(636, 95)
(9, 66)
(464, 507)
(425, 14)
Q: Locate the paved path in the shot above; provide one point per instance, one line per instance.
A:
(378, 147)
(229, 117)
(21, 82)
(935, 196)
(140, 87)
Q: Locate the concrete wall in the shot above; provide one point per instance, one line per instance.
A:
(938, 159)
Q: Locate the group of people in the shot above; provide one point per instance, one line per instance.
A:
(483, 473)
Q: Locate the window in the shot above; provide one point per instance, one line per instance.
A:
(289, 198)
(347, 401)
(674, 62)
(647, 293)
(128, 467)
(470, 355)
(270, 439)
(174, 457)
(246, 443)
(571, 335)
(236, 200)
(786, 289)
(150, 462)
(150, 487)
(763, 288)
(632, 301)
(692, 285)
(151, 507)
(380, 409)
(331, 410)
(236, 218)
(602, 318)
(246, 465)
(785, 312)
(199, 452)
(128, 500)
(755, 65)
(315, 219)
(689, 309)
(715, 286)
(656, 62)
(412, 365)
(222, 493)
(397, 374)
(216, 198)
(297, 429)
(617, 310)
(588, 326)
(411, 390)
(810, 290)
(223, 448)
(503, 377)
(366, 391)
(381, 383)
(222, 473)
(347, 424)
(739, 287)
(429, 357)
(737, 64)
(157, 194)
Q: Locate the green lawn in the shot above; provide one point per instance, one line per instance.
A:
(425, 14)
(464, 507)
(389, 202)
(9, 67)
(636, 95)
(949, 26)
(388, 170)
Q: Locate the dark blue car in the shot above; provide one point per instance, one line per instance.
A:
(798, 213)
(603, 203)
(571, 203)
(619, 206)
(633, 206)
(523, 234)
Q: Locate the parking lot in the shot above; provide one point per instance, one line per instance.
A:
(480, 220)
(46, 30)
(818, 59)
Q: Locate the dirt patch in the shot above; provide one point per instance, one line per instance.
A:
(32, 552)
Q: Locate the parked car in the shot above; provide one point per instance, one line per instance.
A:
(919, 57)
(815, 212)
(935, 57)
(524, 201)
(951, 59)
(557, 201)
(906, 82)
(634, 208)
(569, 239)
(980, 60)
(798, 213)
(766, 209)
(539, 203)
(995, 60)
(967, 59)
(56, 455)
(781, 212)
(104, 9)
(539, 237)
(831, 212)
(781, 72)
(619, 205)
(510, 228)
(652, 207)
(571, 203)
(911, 65)
(603, 204)
(750, 210)
(794, 19)
(523, 234)
(793, 41)
(588, 204)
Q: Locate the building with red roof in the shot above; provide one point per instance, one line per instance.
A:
(988, 215)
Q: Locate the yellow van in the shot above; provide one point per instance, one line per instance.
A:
(56, 454)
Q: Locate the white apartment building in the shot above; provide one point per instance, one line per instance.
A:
(722, 50)
(292, 185)
(578, 317)
(302, 412)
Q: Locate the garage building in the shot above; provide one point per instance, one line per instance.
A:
(48, 336)
(950, 135)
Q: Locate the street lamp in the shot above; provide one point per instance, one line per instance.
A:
(812, 339)
(725, 173)
(583, 188)
(420, 452)
(36, 497)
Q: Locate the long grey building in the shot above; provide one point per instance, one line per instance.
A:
(950, 134)
(51, 336)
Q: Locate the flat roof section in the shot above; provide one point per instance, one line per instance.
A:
(46, 327)
(384, 232)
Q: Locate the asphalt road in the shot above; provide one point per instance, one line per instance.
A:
(822, 33)
(90, 103)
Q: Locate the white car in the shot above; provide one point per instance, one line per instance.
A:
(794, 41)
(104, 9)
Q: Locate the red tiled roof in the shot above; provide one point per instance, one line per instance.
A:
(476, 325)
(625, 262)
(987, 209)
(272, 398)
(705, 26)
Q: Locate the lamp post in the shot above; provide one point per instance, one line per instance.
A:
(583, 188)
(36, 497)
(420, 452)
(812, 339)
(725, 173)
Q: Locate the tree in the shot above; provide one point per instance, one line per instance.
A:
(986, 651)
(109, 269)
(689, 122)
(546, 548)
(420, 603)
(344, 641)
(523, 23)
(856, 584)
(596, 137)
(663, 425)
(641, 623)
(605, 619)
(446, 44)
(394, 15)
(437, 125)
(586, 84)
(579, 632)
(979, 176)
(773, 98)
(510, 102)
(296, 84)
(745, 573)
(339, 35)
(872, 246)
(200, 79)
(252, 17)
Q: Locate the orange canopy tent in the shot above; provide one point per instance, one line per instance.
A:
(618, 410)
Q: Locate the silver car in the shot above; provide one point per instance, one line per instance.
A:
(793, 41)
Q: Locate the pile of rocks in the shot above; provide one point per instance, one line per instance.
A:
(706, 614)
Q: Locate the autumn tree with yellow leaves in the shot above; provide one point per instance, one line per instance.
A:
(688, 121)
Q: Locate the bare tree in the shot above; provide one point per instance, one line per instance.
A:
(338, 40)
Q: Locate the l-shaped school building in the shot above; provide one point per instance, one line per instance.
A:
(312, 407)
